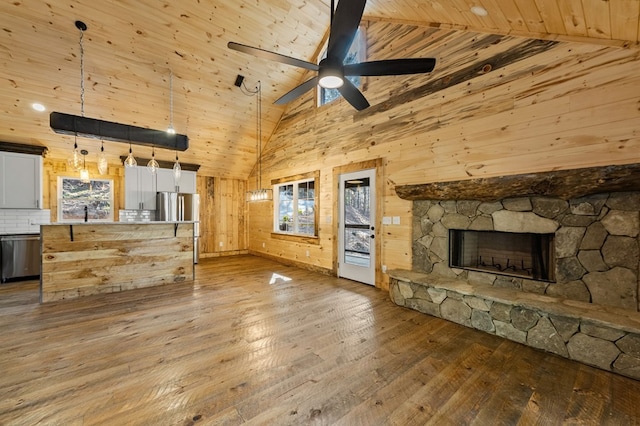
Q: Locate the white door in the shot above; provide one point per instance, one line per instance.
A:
(356, 244)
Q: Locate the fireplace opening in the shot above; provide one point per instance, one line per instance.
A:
(514, 254)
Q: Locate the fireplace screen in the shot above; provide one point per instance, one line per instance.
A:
(514, 254)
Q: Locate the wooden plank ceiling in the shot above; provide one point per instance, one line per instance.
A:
(131, 46)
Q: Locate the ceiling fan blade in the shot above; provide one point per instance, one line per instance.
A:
(391, 67)
(272, 56)
(344, 27)
(353, 95)
(297, 91)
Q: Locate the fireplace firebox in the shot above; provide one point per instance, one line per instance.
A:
(524, 255)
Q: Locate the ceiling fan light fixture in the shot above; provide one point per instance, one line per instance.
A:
(331, 81)
(330, 75)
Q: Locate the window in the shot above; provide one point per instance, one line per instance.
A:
(295, 205)
(74, 196)
(356, 54)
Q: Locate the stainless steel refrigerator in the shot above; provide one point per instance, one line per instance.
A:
(179, 207)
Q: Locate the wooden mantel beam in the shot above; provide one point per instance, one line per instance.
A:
(565, 184)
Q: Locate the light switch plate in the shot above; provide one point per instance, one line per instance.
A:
(396, 220)
(386, 220)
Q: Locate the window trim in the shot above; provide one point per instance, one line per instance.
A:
(311, 239)
(61, 214)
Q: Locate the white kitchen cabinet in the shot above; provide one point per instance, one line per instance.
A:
(20, 181)
(166, 182)
(188, 182)
(139, 188)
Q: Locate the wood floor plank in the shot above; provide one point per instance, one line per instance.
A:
(240, 345)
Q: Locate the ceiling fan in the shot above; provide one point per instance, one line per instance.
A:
(331, 70)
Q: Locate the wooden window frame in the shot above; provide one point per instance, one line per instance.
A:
(310, 239)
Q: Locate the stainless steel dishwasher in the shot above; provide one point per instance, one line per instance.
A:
(19, 256)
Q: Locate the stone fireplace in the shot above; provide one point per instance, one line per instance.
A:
(479, 249)
(595, 243)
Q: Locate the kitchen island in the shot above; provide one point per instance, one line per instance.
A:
(80, 259)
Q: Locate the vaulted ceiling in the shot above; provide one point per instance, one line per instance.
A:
(132, 46)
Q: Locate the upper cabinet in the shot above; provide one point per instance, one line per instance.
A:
(166, 182)
(20, 181)
(141, 186)
(187, 182)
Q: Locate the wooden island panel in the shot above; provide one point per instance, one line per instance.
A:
(83, 259)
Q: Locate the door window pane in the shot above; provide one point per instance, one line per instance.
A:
(357, 233)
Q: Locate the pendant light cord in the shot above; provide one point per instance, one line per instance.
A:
(258, 93)
(170, 98)
(259, 129)
(81, 72)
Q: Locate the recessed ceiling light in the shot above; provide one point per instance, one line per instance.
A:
(38, 107)
(479, 10)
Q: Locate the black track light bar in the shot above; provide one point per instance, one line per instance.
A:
(99, 129)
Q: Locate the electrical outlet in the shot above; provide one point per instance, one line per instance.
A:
(264, 245)
(221, 244)
(307, 253)
(384, 269)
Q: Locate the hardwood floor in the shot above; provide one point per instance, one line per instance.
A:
(253, 341)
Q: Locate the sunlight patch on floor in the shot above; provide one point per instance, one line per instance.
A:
(275, 277)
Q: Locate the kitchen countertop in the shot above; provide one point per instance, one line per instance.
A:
(155, 222)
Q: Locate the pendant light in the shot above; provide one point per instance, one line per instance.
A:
(130, 161)
(170, 129)
(177, 171)
(84, 173)
(152, 165)
(75, 161)
(103, 165)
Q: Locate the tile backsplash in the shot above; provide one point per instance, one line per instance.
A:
(23, 221)
(136, 215)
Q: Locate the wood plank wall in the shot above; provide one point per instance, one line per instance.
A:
(222, 214)
(222, 207)
(571, 106)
